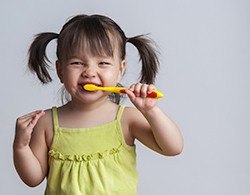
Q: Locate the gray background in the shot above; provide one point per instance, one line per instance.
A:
(205, 47)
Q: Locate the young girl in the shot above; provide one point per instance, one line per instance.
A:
(87, 145)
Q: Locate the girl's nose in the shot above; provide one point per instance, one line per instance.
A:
(89, 72)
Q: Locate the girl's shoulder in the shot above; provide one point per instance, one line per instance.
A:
(133, 117)
(46, 120)
(133, 122)
(132, 113)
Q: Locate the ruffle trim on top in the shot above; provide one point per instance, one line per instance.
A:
(85, 157)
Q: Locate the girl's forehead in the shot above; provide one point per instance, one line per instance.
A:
(89, 48)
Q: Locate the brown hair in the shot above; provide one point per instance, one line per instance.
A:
(93, 31)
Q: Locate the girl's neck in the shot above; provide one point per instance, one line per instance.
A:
(87, 107)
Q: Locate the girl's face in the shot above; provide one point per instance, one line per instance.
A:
(88, 68)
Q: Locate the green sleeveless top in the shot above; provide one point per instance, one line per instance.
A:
(91, 161)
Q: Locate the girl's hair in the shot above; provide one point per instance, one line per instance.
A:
(100, 35)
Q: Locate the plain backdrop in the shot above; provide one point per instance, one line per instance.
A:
(205, 59)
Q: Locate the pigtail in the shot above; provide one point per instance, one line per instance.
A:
(37, 56)
(148, 58)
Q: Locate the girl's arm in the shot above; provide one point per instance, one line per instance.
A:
(30, 149)
(151, 126)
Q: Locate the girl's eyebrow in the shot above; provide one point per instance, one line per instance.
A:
(82, 58)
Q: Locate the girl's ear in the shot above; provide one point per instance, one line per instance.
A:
(123, 67)
(59, 70)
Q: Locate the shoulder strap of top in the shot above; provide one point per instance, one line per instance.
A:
(120, 112)
(55, 118)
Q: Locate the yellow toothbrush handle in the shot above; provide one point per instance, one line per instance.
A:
(116, 89)
(153, 94)
(90, 87)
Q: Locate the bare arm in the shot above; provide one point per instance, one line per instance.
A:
(151, 126)
(29, 149)
(165, 131)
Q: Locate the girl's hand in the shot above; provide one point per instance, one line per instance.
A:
(137, 93)
(24, 128)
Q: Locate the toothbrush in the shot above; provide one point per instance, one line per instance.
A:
(91, 87)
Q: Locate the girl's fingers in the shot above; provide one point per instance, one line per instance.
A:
(36, 118)
(141, 90)
(30, 115)
(30, 118)
(137, 90)
(130, 94)
(25, 126)
(150, 88)
(132, 87)
(33, 122)
(144, 90)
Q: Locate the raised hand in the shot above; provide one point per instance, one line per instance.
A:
(24, 128)
(137, 94)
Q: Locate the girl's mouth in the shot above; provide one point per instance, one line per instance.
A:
(81, 87)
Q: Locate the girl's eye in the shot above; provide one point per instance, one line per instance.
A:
(104, 63)
(76, 63)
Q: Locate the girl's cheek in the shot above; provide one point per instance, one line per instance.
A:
(113, 75)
